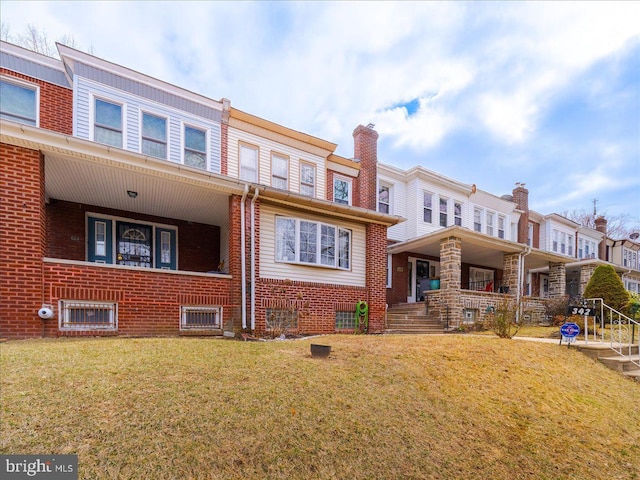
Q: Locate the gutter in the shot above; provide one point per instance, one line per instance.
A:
(243, 260)
(253, 259)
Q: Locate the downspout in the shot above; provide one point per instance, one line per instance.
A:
(521, 256)
(253, 259)
(243, 260)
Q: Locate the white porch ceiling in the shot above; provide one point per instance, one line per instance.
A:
(106, 186)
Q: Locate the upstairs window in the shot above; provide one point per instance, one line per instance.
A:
(443, 212)
(19, 103)
(501, 222)
(342, 190)
(477, 219)
(427, 207)
(249, 163)
(154, 136)
(384, 201)
(108, 123)
(570, 243)
(308, 179)
(195, 147)
(457, 214)
(490, 220)
(279, 171)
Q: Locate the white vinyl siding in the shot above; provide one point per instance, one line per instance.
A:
(266, 146)
(85, 93)
(354, 274)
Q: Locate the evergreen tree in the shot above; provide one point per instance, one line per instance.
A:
(606, 284)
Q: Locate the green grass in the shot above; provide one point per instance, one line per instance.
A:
(380, 407)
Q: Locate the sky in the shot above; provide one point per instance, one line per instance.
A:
(486, 93)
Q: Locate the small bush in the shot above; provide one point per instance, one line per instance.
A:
(606, 284)
(506, 318)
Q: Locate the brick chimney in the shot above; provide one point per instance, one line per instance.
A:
(365, 142)
(601, 226)
(521, 199)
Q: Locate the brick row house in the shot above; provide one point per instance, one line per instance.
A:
(129, 206)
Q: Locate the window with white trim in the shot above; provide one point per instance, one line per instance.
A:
(427, 207)
(19, 101)
(87, 315)
(632, 286)
(307, 179)
(248, 163)
(570, 243)
(312, 243)
(443, 212)
(629, 258)
(501, 222)
(490, 221)
(107, 123)
(342, 190)
(384, 199)
(477, 219)
(154, 136)
(556, 240)
(530, 235)
(279, 171)
(195, 147)
(200, 317)
(457, 214)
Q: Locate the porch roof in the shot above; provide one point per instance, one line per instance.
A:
(477, 248)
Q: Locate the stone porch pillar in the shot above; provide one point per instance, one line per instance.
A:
(557, 279)
(510, 272)
(585, 275)
(451, 277)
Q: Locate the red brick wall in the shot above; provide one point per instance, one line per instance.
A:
(148, 302)
(376, 276)
(56, 104)
(366, 151)
(316, 302)
(234, 267)
(198, 244)
(521, 199)
(22, 232)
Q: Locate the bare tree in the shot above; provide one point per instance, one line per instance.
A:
(618, 226)
(36, 39)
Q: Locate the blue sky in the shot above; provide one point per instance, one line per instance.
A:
(491, 93)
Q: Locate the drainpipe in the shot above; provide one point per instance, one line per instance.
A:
(243, 260)
(521, 256)
(253, 259)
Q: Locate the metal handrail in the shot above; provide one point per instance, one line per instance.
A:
(622, 336)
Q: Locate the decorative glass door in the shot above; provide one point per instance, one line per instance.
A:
(134, 244)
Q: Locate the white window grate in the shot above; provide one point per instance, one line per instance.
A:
(201, 318)
(76, 315)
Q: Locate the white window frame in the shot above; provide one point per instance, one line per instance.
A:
(570, 243)
(243, 169)
(275, 157)
(185, 310)
(123, 115)
(29, 86)
(529, 235)
(502, 221)
(202, 128)
(427, 208)
(490, 218)
(307, 188)
(166, 134)
(477, 219)
(66, 306)
(348, 181)
(387, 187)
(282, 256)
(457, 216)
(443, 202)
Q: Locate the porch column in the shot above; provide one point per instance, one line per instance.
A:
(233, 320)
(585, 275)
(510, 272)
(557, 279)
(451, 277)
(376, 278)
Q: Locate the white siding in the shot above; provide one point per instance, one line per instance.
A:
(269, 268)
(133, 106)
(398, 206)
(266, 147)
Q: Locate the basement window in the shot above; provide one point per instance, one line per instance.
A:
(201, 318)
(345, 320)
(281, 319)
(76, 315)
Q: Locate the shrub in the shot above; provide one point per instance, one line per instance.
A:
(555, 309)
(506, 318)
(606, 284)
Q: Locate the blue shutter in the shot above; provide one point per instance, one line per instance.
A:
(166, 249)
(99, 240)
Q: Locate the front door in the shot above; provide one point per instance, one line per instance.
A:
(418, 278)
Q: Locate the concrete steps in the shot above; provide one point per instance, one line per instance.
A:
(619, 363)
(413, 318)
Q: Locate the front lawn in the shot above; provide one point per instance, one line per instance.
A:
(380, 407)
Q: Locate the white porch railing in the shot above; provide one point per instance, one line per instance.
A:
(623, 332)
